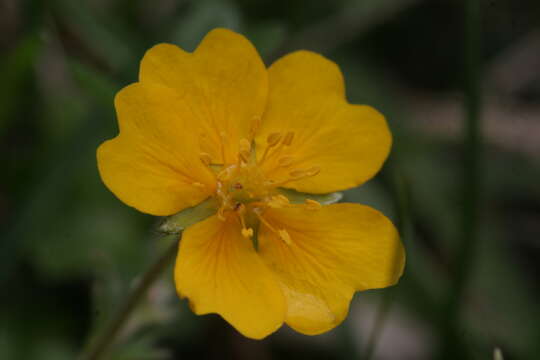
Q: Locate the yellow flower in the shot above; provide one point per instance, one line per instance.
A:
(216, 124)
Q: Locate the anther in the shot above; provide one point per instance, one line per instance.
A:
(244, 156)
(278, 201)
(205, 158)
(273, 139)
(247, 232)
(296, 174)
(240, 208)
(238, 186)
(287, 140)
(284, 235)
(224, 175)
(198, 184)
(244, 145)
(313, 171)
(312, 204)
(299, 174)
(286, 161)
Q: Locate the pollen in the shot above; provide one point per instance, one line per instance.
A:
(247, 232)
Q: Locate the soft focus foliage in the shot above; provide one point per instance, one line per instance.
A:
(69, 251)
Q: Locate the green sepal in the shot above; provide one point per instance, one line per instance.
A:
(255, 238)
(296, 197)
(174, 224)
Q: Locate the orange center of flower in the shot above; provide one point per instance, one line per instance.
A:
(244, 191)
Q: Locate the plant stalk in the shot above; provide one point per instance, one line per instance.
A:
(467, 246)
(98, 346)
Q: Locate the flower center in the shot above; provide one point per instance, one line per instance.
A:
(242, 183)
(243, 190)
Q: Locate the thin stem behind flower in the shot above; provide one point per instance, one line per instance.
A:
(472, 142)
(98, 346)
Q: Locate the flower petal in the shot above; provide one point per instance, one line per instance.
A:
(349, 143)
(332, 252)
(153, 164)
(218, 270)
(224, 80)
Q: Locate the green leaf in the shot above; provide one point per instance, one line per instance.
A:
(174, 224)
(297, 197)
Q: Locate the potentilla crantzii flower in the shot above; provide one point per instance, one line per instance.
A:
(217, 127)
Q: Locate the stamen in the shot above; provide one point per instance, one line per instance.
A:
(221, 213)
(287, 140)
(278, 201)
(238, 186)
(247, 232)
(272, 140)
(286, 161)
(284, 235)
(243, 156)
(299, 174)
(258, 212)
(198, 184)
(312, 204)
(241, 210)
(224, 175)
(244, 145)
(244, 150)
(255, 126)
(205, 158)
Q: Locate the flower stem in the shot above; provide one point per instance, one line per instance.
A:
(98, 346)
(472, 145)
(466, 248)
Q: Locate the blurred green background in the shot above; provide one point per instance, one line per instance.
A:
(70, 251)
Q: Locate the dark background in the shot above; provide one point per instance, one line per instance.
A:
(70, 251)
